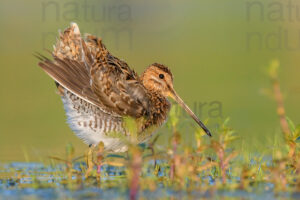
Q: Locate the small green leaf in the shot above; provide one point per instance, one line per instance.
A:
(231, 138)
(225, 123)
(174, 112)
(70, 149)
(273, 69)
(291, 124)
(130, 124)
(297, 134)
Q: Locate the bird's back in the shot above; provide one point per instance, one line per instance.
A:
(87, 117)
(97, 89)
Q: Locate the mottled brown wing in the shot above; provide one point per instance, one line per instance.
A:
(87, 69)
(125, 97)
(116, 85)
(72, 75)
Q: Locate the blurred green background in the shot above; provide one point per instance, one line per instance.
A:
(218, 51)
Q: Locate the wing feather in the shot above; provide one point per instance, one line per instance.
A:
(87, 69)
(72, 77)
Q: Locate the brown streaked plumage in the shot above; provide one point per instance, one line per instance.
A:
(98, 90)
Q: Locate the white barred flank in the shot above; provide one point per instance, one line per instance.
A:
(91, 124)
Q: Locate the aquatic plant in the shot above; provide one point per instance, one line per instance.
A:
(202, 169)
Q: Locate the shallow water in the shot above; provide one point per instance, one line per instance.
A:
(50, 186)
(91, 193)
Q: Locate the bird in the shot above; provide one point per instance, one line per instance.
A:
(99, 91)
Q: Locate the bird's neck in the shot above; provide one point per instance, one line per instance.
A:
(160, 105)
(160, 108)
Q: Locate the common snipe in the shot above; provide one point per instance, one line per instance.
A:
(98, 90)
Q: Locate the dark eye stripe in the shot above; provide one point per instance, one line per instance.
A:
(161, 76)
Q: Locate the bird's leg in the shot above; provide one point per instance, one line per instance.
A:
(89, 161)
(100, 150)
(153, 154)
(151, 147)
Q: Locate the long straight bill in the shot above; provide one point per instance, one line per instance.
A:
(190, 112)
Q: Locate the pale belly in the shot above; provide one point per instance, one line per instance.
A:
(92, 125)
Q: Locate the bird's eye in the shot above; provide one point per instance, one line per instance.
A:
(161, 76)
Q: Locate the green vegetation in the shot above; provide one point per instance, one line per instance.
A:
(209, 166)
(203, 42)
(217, 51)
